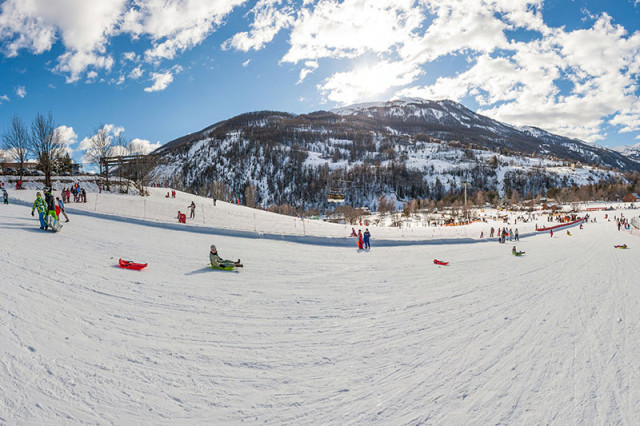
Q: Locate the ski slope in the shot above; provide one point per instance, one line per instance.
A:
(313, 333)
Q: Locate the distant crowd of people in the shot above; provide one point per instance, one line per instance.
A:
(79, 194)
(503, 234)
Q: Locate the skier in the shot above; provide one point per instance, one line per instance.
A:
(367, 236)
(61, 207)
(192, 207)
(360, 241)
(40, 205)
(219, 263)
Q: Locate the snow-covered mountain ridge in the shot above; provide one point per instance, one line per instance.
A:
(403, 149)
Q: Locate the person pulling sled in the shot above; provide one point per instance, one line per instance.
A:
(218, 263)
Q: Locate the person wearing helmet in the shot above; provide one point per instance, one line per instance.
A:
(218, 263)
(40, 205)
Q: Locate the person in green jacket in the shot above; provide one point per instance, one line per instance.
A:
(41, 206)
(218, 263)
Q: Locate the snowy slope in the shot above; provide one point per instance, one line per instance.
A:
(312, 334)
(405, 149)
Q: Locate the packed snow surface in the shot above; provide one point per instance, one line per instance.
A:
(311, 333)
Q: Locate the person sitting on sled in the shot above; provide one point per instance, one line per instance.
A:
(218, 262)
(516, 252)
(568, 233)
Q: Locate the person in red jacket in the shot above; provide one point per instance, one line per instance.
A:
(551, 232)
(360, 241)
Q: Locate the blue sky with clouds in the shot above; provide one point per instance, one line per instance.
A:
(159, 69)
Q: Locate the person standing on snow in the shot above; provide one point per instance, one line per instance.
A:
(192, 207)
(367, 236)
(218, 262)
(51, 207)
(360, 242)
(5, 196)
(40, 205)
(61, 206)
(551, 232)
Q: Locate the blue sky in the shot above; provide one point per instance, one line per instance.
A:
(159, 69)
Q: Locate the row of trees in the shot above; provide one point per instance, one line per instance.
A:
(41, 141)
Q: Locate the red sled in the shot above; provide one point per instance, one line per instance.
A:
(440, 262)
(127, 264)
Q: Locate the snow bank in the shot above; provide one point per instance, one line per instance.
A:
(308, 333)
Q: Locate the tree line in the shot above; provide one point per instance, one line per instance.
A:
(40, 141)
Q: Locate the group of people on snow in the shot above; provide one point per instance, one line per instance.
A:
(503, 234)
(79, 194)
(363, 239)
(49, 209)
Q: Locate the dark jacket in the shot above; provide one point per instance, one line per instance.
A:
(51, 203)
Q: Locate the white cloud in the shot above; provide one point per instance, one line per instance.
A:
(269, 17)
(309, 67)
(351, 28)
(246, 63)
(68, 137)
(368, 82)
(4, 98)
(21, 91)
(160, 81)
(136, 73)
(85, 28)
(174, 26)
(130, 56)
(75, 63)
(143, 146)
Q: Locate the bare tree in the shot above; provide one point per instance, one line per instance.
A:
(99, 146)
(46, 145)
(16, 141)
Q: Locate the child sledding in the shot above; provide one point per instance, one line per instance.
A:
(621, 246)
(218, 263)
(515, 252)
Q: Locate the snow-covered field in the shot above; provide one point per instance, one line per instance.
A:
(314, 333)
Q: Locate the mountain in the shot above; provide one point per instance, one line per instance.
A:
(449, 120)
(405, 149)
(632, 152)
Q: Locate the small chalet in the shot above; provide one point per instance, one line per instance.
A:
(631, 198)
